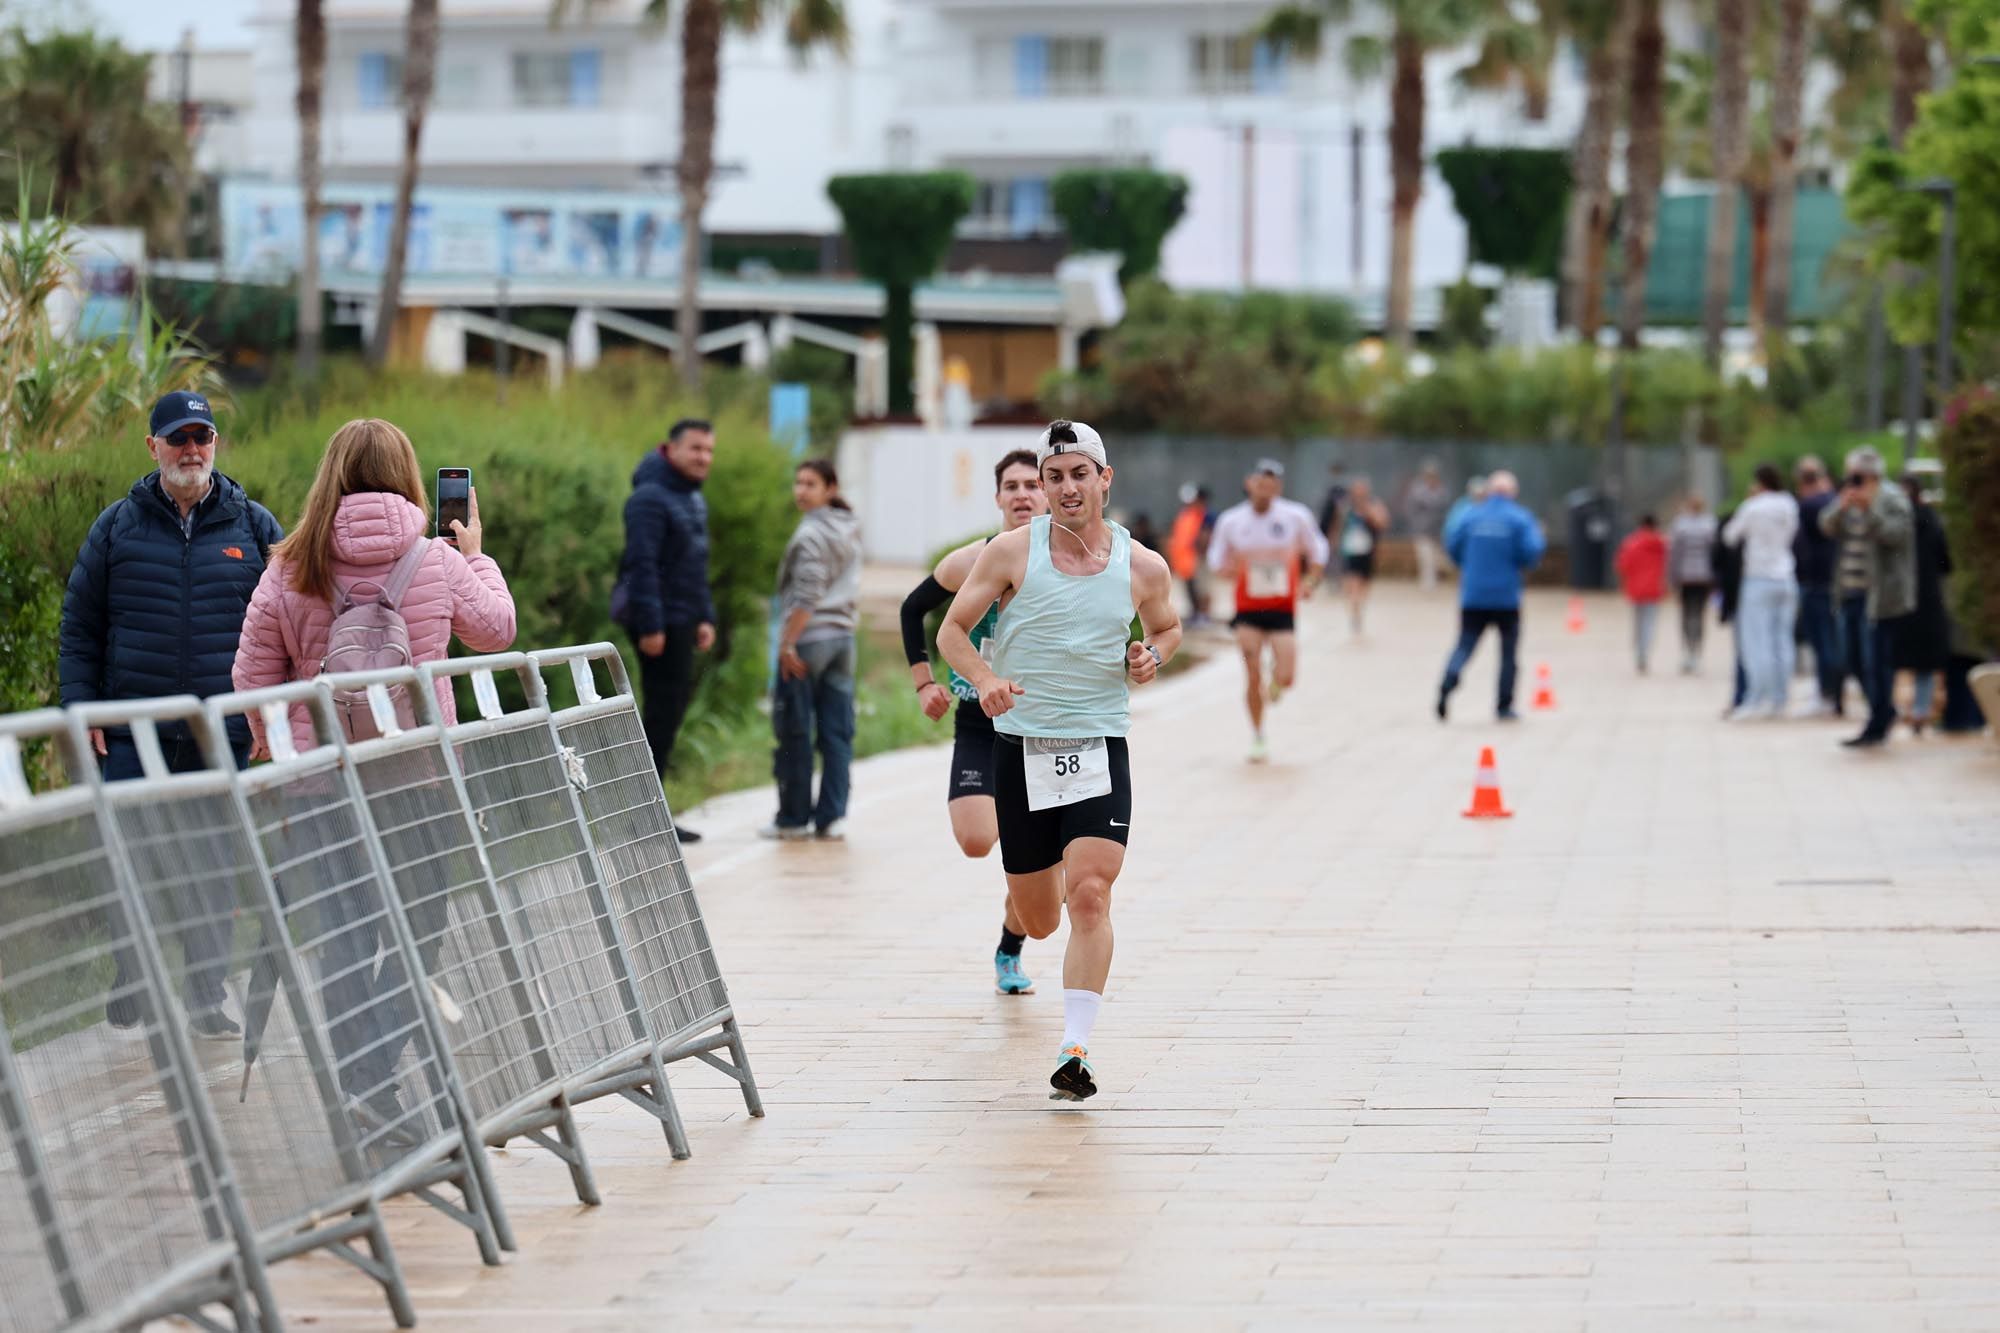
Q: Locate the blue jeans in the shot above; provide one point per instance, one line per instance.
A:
(1854, 645)
(1473, 622)
(1820, 626)
(1767, 611)
(821, 702)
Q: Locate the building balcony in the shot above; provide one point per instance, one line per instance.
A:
(505, 138)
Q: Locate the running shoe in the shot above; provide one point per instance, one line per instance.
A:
(1008, 978)
(834, 832)
(213, 1025)
(1072, 1080)
(776, 832)
(1277, 690)
(1259, 751)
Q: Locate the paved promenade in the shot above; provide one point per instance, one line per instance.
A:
(1707, 1036)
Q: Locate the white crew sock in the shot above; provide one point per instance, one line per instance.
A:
(1079, 1016)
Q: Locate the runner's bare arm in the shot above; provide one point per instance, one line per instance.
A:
(1153, 598)
(952, 571)
(999, 570)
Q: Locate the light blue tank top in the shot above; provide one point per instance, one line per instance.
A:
(1063, 641)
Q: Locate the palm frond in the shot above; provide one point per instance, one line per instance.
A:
(1367, 55)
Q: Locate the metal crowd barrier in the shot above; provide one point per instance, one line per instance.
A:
(326, 1121)
(117, 1205)
(627, 816)
(470, 934)
(522, 786)
(437, 939)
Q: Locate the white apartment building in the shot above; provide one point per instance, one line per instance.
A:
(1288, 158)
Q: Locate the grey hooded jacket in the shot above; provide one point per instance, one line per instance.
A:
(822, 570)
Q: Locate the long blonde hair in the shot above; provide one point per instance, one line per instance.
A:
(364, 455)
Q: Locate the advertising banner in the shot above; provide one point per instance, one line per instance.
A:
(455, 232)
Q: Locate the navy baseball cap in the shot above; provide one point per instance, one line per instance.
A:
(177, 410)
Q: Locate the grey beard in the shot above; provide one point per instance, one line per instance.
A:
(185, 478)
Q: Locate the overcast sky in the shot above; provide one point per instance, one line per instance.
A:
(154, 25)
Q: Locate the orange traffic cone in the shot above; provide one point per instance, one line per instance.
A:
(1576, 621)
(1545, 691)
(1486, 800)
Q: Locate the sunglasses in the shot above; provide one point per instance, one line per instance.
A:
(200, 436)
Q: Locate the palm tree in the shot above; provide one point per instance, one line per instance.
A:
(309, 41)
(1787, 130)
(420, 47)
(77, 125)
(1734, 21)
(1602, 31)
(1910, 50)
(1417, 28)
(1645, 165)
(808, 24)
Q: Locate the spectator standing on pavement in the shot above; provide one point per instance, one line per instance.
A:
(1765, 526)
(1818, 558)
(1423, 509)
(662, 596)
(1927, 646)
(154, 606)
(1691, 566)
(1364, 519)
(1493, 545)
(1728, 562)
(1852, 561)
(1187, 548)
(1475, 495)
(1642, 569)
(819, 591)
(1877, 532)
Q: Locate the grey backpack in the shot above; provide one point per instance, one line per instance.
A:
(368, 634)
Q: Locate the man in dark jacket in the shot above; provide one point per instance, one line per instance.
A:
(1816, 555)
(154, 607)
(662, 596)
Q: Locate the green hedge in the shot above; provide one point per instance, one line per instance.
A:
(1970, 448)
(553, 471)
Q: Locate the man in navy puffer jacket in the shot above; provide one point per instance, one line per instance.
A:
(154, 607)
(662, 596)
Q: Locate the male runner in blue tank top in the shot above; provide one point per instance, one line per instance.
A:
(1017, 492)
(1057, 690)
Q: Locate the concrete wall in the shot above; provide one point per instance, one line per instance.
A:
(918, 490)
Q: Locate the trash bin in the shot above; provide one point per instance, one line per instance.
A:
(1590, 517)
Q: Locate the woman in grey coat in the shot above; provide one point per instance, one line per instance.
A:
(819, 591)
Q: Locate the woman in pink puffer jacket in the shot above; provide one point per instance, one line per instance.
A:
(366, 506)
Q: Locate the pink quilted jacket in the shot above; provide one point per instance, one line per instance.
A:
(285, 630)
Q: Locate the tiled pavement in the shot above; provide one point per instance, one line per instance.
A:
(1708, 1036)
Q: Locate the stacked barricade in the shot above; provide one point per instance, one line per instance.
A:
(441, 938)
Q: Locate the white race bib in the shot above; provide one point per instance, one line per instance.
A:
(1357, 540)
(1269, 579)
(1063, 772)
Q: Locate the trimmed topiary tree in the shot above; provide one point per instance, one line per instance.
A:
(1514, 201)
(899, 225)
(1129, 210)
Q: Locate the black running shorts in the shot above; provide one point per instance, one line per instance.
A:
(1271, 622)
(971, 753)
(1032, 841)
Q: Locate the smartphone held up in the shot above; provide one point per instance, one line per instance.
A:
(454, 500)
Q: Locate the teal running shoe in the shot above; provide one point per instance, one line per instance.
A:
(1073, 1079)
(1008, 978)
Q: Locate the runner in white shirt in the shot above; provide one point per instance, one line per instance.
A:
(1273, 549)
